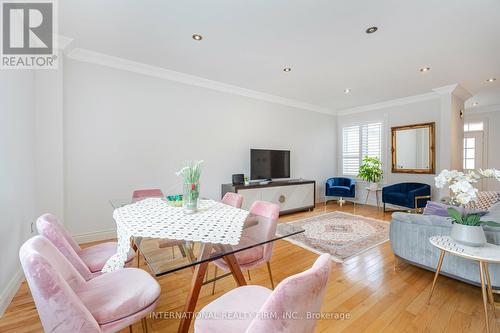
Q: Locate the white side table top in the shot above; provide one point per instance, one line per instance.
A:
(488, 252)
(378, 189)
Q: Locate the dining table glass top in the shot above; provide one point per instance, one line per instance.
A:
(165, 256)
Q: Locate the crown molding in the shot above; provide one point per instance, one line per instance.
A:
(390, 103)
(482, 109)
(61, 42)
(453, 89)
(158, 72)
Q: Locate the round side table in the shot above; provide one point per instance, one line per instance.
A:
(489, 253)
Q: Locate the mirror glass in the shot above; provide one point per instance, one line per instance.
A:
(412, 149)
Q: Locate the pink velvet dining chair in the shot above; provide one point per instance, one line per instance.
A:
(255, 256)
(291, 308)
(232, 199)
(67, 303)
(88, 261)
(146, 193)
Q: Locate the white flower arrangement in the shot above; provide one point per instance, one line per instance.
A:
(463, 192)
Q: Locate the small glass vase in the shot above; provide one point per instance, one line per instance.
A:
(190, 197)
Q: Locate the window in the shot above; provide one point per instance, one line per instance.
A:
(473, 137)
(471, 127)
(357, 142)
(469, 153)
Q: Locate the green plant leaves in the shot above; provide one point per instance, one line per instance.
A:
(371, 169)
(472, 220)
(490, 223)
(455, 215)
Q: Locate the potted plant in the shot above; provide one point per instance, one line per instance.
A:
(467, 228)
(371, 171)
(191, 176)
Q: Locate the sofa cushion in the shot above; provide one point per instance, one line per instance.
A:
(441, 209)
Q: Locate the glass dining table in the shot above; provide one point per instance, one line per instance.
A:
(165, 256)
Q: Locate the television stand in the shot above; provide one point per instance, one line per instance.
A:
(291, 195)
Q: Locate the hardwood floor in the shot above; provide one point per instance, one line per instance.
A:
(366, 288)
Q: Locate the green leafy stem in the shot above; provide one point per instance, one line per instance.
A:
(472, 220)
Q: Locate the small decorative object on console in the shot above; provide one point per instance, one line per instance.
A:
(191, 175)
(238, 179)
(467, 228)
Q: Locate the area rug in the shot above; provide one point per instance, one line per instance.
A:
(340, 234)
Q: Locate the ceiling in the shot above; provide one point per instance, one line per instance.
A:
(248, 43)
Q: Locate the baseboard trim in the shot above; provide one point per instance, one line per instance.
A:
(10, 291)
(95, 236)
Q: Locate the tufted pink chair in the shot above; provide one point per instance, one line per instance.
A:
(232, 199)
(258, 255)
(149, 193)
(298, 295)
(68, 303)
(89, 261)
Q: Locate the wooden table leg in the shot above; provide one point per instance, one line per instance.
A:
(490, 291)
(233, 265)
(378, 200)
(438, 269)
(485, 299)
(196, 284)
(367, 195)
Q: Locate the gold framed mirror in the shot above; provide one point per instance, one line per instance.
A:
(413, 148)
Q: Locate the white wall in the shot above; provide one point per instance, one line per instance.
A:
(125, 131)
(413, 113)
(17, 173)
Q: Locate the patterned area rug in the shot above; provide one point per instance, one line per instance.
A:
(340, 234)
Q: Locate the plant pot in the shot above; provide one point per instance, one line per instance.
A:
(373, 186)
(468, 235)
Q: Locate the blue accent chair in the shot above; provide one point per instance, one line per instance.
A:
(340, 187)
(410, 195)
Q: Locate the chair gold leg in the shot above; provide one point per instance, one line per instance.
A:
(130, 328)
(173, 252)
(270, 274)
(215, 280)
(438, 268)
(485, 298)
(249, 278)
(138, 258)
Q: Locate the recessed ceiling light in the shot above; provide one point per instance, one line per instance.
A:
(371, 30)
(287, 69)
(424, 69)
(347, 90)
(491, 79)
(475, 104)
(197, 37)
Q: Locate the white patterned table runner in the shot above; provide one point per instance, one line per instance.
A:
(214, 222)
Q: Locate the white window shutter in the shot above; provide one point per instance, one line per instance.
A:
(357, 142)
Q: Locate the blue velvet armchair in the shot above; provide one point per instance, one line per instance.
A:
(410, 195)
(340, 187)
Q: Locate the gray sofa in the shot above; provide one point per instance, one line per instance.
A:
(409, 236)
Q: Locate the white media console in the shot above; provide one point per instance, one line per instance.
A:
(290, 195)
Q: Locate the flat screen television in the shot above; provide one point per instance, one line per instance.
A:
(268, 164)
